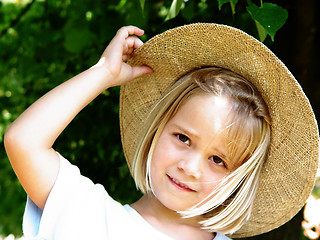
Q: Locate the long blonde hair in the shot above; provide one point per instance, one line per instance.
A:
(248, 139)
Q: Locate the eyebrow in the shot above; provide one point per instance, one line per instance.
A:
(184, 130)
(222, 155)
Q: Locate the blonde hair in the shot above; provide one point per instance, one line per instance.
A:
(248, 138)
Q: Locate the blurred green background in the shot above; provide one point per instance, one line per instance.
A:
(45, 42)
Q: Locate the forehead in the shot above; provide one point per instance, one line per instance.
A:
(205, 109)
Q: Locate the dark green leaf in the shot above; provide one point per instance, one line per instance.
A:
(142, 2)
(270, 17)
(174, 9)
(261, 31)
(233, 4)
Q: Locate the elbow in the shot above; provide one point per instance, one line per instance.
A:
(13, 141)
(9, 140)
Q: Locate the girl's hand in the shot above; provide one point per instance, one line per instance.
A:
(118, 52)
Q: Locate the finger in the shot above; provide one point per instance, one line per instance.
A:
(126, 57)
(139, 71)
(125, 32)
(122, 43)
(133, 42)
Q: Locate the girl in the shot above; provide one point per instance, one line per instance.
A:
(215, 131)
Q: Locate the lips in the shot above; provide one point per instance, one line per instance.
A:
(180, 185)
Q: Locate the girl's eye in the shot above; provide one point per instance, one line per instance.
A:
(217, 160)
(184, 139)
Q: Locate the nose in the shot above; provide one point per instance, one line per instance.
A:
(191, 166)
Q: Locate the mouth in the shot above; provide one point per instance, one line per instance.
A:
(180, 185)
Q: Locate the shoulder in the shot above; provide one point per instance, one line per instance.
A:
(220, 236)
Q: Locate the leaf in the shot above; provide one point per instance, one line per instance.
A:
(233, 4)
(142, 2)
(269, 17)
(261, 31)
(174, 9)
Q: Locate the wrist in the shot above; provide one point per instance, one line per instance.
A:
(101, 72)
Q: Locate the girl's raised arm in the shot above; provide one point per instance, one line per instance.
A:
(29, 139)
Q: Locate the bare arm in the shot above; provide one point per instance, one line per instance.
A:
(29, 139)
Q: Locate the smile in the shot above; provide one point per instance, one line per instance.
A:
(180, 185)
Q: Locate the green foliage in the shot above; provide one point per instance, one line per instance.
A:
(43, 43)
(174, 9)
(233, 4)
(269, 18)
(316, 189)
(142, 2)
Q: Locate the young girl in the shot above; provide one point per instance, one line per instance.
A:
(217, 133)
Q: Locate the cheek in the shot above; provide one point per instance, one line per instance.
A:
(211, 180)
(164, 151)
(161, 160)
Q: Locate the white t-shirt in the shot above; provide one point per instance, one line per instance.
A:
(79, 209)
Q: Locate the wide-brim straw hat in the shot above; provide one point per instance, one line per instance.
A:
(289, 172)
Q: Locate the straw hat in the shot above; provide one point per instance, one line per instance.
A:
(289, 171)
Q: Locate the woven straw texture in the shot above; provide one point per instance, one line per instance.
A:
(288, 174)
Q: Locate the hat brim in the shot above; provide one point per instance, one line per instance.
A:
(288, 174)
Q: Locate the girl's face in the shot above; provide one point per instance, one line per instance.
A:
(189, 159)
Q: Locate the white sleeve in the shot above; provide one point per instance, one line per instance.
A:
(75, 209)
(220, 236)
(31, 219)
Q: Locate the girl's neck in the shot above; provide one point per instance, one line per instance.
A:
(169, 222)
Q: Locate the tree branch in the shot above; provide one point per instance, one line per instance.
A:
(17, 19)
